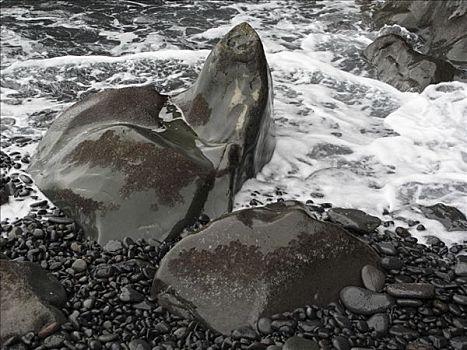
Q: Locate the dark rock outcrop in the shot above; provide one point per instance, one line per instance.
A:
(354, 219)
(258, 262)
(125, 162)
(451, 218)
(29, 299)
(442, 25)
(399, 65)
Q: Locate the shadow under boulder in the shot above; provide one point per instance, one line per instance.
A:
(258, 262)
(30, 299)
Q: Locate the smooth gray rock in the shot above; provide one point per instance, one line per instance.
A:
(460, 269)
(125, 162)
(30, 299)
(399, 65)
(363, 301)
(79, 265)
(373, 278)
(299, 343)
(379, 323)
(442, 25)
(451, 218)
(354, 219)
(258, 262)
(411, 290)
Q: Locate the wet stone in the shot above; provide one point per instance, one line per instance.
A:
(438, 342)
(459, 343)
(461, 266)
(185, 166)
(373, 279)
(379, 323)
(411, 290)
(341, 343)
(104, 272)
(386, 248)
(264, 325)
(60, 220)
(409, 302)
(258, 269)
(79, 265)
(451, 218)
(244, 332)
(54, 341)
(402, 331)
(460, 299)
(354, 219)
(391, 263)
(128, 294)
(299, 343)
(363, 301)
(113, 246)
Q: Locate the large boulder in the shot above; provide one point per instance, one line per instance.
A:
(442, 25)
(399, 65)
(258, 262)
(133, 162)
(29, 300)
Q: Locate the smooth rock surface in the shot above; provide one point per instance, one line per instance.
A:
(364, 301)
(379, 323)
(354, 219)
(258, 262)
(411, 290)
(460, 268)
(125, 162)
(399, 65)
(29, 299)
(373, 279)
(299, 343)
(451, 218)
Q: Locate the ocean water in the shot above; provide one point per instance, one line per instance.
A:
(342, 136)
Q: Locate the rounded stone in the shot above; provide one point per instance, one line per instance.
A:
(79, 265)
(373, 279)
(411, 290)
(299, 343)
(379, 323)
(363, 301)
(264, 325)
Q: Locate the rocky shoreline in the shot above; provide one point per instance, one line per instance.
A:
(288, 275)
(415, 299)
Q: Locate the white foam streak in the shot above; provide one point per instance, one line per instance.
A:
(187, 56)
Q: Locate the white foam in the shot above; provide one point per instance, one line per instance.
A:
(187, 56)
(359, 142)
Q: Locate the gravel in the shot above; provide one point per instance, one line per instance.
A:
(109, 306)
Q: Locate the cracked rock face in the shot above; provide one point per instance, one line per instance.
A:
(258, 262)
(133, 162)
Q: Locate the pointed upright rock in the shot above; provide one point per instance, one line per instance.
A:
(134, 162)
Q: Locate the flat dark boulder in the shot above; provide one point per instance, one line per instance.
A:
(397, 64)
(258, 262)
(134, 162)
(354, 219)
(451, 218)
(30, 299)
